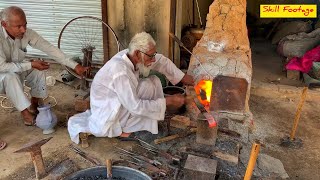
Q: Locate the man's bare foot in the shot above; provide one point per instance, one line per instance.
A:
(29, 119)
(125, 135)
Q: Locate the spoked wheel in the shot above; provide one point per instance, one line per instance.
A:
(82, 38)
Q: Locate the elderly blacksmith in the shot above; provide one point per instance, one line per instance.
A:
(124, 98)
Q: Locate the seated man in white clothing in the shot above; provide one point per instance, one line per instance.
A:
(14, 68)
(123, 98)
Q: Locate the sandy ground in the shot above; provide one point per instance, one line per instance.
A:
(273, 107)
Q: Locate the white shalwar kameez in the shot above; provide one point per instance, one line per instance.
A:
(14, 68)
(121, 102)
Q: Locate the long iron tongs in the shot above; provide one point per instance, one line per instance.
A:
(164, 154)
(146, 159)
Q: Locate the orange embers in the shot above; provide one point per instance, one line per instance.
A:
(203, 91)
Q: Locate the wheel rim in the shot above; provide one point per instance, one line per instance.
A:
(82, 39)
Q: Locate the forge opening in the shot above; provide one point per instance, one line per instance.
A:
(203, 90)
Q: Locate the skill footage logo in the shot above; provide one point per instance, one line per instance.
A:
(288, 10)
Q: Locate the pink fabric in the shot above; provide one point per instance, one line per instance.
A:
(304, 64)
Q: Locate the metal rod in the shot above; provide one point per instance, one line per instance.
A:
(91, 159)
(298, 113)
(177, 40)
(252, 161)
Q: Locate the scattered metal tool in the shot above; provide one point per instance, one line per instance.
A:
(144, 164)
(149, 150)
(154, 162)
(36, 155)
(165, 155)
(88, 157)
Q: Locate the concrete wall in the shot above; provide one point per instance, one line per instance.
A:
(128, 17)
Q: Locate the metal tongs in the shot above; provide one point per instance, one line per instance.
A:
(85, 155)
(140, 157)
(143, 164)
(155, 150)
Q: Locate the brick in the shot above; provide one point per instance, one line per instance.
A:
(292, 74)
(200, 168)
(181, 122)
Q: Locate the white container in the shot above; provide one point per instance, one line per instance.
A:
(46, 119)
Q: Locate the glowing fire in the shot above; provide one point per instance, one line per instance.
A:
(203, 90)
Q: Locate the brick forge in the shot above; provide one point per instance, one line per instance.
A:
(223, 55)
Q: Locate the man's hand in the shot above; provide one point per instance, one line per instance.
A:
(80, 70)
(187, 80)
(40, 65)
(176, 100)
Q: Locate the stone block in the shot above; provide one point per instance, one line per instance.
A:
(292, 74)
(200, 168)
(272, 166)
(241, 128)
(205, 134)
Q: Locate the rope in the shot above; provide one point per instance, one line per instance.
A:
(2, 104)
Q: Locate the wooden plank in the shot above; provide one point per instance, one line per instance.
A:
(226, 157)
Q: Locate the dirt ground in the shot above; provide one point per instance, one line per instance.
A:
(273, 107)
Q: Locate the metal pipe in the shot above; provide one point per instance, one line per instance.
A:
(252, 161)
(298, 113)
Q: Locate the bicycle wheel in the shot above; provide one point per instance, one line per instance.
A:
(89, 41)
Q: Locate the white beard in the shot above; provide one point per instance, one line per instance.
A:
(143, 70)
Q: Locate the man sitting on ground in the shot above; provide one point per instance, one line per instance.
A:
(14, 68)
(121, 101)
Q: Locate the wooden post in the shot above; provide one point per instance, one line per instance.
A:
(84, 140)
(298, 113)
(172, 27)
(105, 35)
(178, 26)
